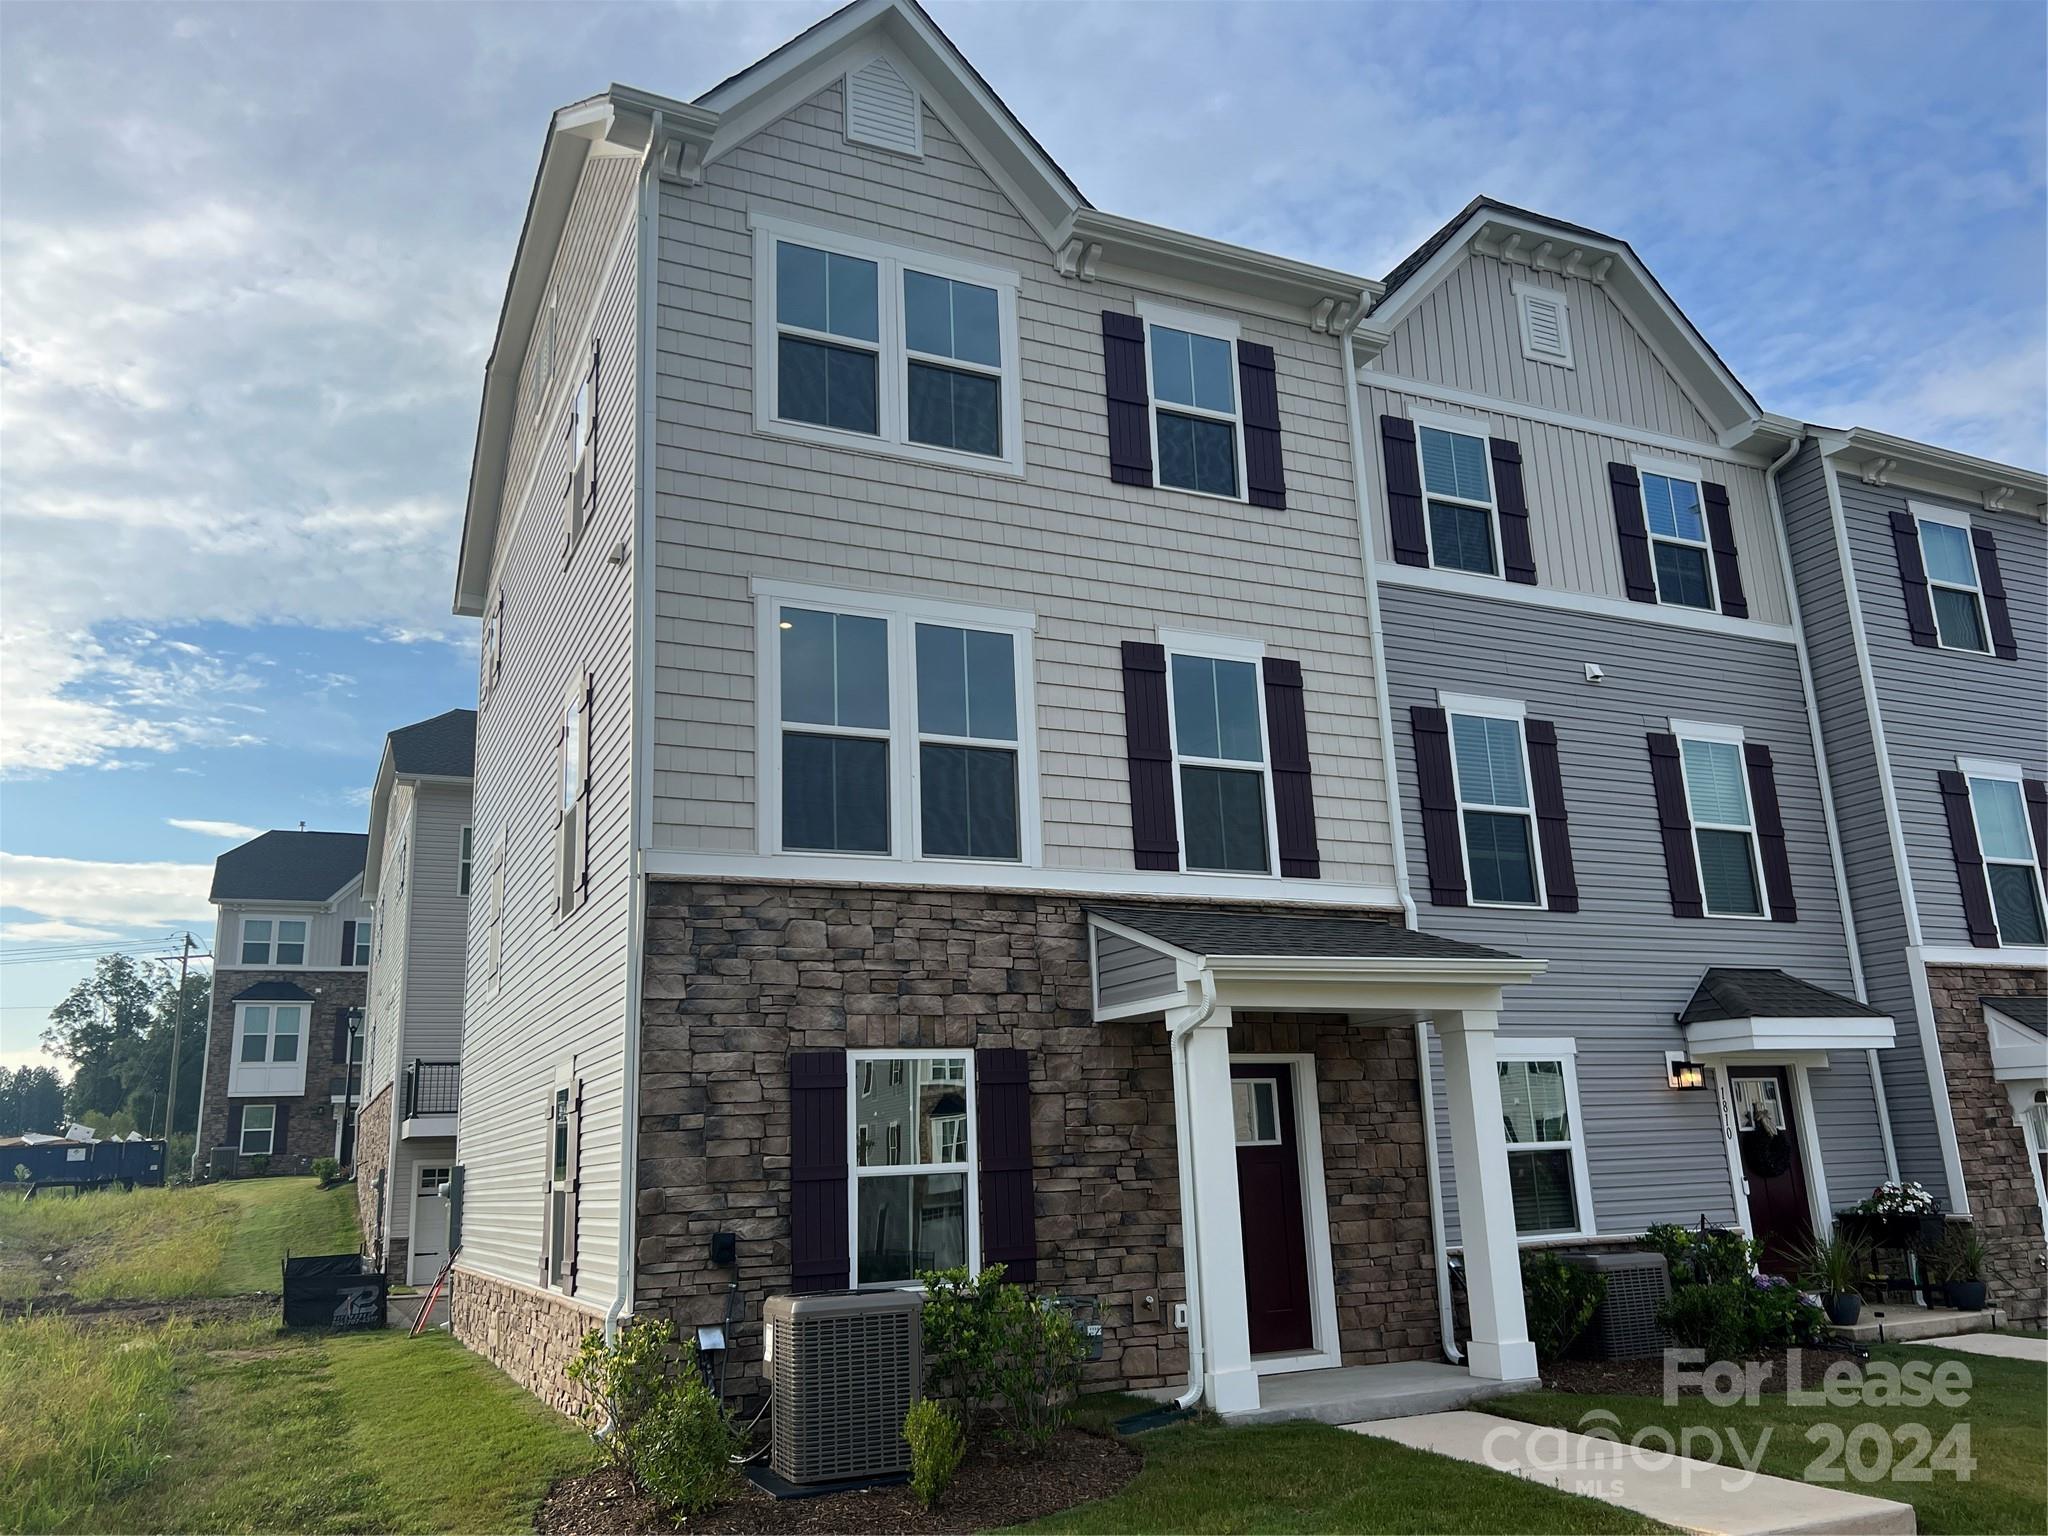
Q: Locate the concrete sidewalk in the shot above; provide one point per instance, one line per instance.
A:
(2002, 1345)
(1692, 1495)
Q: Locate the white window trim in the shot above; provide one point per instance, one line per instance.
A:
(1673, 469)
(1972, 769)
(902, 614)
(365, 947)
(465, 861)
(1218, 328)
(270, 962)
(971, 1169)
(1460, 426)
(892, 437)
(270, 1078)
(242, 1129)
(1453, 705)
(564, 1083)
(1559, 297)
(1925, 512)
(1222, 648)
(1729, 736)
(1564, 1051)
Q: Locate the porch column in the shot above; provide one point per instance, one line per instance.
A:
(1499, 1348)
(1229, 1384)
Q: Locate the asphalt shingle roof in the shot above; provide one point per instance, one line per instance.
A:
(1729, 992)
(274, 992)
(444, 747)
(289, 866)
(2030, 1011)
(1217, 931)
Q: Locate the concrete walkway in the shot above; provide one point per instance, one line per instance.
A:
(2003, 1345)
(1692, 1495)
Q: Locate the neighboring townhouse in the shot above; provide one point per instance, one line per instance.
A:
(1923, 578)
(1604, 743)
(291, 964)
(417, 879)
(931, 797)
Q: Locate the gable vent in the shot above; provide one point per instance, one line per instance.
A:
(882, 109)
(1546, 325)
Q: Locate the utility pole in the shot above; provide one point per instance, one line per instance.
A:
(177, 1039)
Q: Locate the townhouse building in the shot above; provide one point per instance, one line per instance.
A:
(291, 964)
(417, 879)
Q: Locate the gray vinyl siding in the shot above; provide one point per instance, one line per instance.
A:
(1127, 971)
(1096, 562)
(438, 927)
(383, 1044)
(1622, 967)
(1571, 510)
(1468, 334)
(323, 931)
(563, 983)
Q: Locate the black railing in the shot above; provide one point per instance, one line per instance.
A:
(432, 1087)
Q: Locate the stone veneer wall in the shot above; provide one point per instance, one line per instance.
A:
(309, 1118)
(373, 1157)
(738, 976)
(529, 1336)
(1994, 1149)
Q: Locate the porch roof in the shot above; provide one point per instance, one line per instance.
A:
(1238, 935)
(2016, 1027)
(1738, 1009)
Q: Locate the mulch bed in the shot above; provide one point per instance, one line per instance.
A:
(993, 1489)
(1645, 1377)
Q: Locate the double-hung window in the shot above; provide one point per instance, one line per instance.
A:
(865, 344)
(913, 1154)
(572, 815)
(1723, 823)
(1221, 783)
(1539, 1106)
(259, 1126)
(271, 1032)
(564, 1122)
(1677, 523)
(2011, 869)
(1952, 582)
(903, 728)
(1197, 419)
(464, 860)
(1490, 765)
(273, 941)
(1457, 483)
(365, 928)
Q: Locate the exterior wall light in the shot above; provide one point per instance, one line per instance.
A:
(1680, 1073)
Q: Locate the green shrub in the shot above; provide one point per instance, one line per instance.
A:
(995, 1348)
(1961, 1256)
(1560, 1300)
(1738, 1319)
(961, 1337)
(1702, 1255)
(937, 1444)
(257, 1165)
(683, 1445)
(622, 1382)
(326, 1170)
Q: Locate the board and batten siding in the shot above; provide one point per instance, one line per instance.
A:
(1622, 967)
(1571, 509)
(323, 930)
(1467, 334)
(562, 991)
(1096, 562)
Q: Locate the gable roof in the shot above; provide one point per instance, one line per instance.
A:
(443, 747)
(1241, 935)
(2030, 1012)
(289, 866)
(1732, 992)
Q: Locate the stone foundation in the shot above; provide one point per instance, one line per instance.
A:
(1994, 1149)
(529, 1336)
(373, 1155)
(737, 977)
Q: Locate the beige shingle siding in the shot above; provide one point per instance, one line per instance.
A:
(563, 981)
(1097, 562)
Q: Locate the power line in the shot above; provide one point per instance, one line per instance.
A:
(56, 954)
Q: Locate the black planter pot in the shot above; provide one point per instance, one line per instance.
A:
(1966, 1295)
(1843, 1310)
(1935, 1293)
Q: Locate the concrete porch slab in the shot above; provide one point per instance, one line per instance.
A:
(1692, 1495)
(1353, 1393)
(1905, 1323)
(2002, 1345)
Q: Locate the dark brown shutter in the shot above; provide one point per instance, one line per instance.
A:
(1637, 573)
(348, 944)
(1148, 749)
(1002, 1128)
(575, 1196)
(819, 1259)
(1265, 480)
(2037, 817)
(1674, 822)
(1294, 796)
(1962, 842)
(1404, 491)
(583, 794)
(1517, 556)
(1727, 564)
(1443, 843)
(277, 1130)
(1913, 579)
(341, 1040)
(1129, 399)
(1553, 823)
(1770, 832)
(1992, 580)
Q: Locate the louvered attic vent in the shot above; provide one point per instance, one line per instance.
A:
(882, 109)
(1546, 324)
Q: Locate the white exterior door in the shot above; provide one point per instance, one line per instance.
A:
(428, 1249)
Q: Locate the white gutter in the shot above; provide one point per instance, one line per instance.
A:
(1827, 789)
(1446, 1314)
(1191, 1265)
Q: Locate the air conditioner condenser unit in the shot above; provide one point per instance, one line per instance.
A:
(844, 1368)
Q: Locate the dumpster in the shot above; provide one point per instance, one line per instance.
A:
(333, 1290)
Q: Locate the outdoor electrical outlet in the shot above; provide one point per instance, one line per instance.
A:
(1180, 1315)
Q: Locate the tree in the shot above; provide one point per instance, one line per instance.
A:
(116, 1028)
(31, 1099)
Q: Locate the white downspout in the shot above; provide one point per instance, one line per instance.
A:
(1177, 1047)
(1447, 1317)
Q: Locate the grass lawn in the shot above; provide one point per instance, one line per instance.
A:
(168, 1244)
(2007, 1416)
(1202, 1476)
(239, 1427)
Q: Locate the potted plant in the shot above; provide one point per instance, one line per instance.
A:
(1897, 1214)
(1834, 1267)
(1961, 1259)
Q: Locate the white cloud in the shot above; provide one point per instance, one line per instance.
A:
(52, 932)
(234, 831)
(90, 893)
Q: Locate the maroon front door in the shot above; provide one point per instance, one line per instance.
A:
(1768, 1138)
(1269, 1207)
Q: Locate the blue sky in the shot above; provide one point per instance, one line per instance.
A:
(251, 258)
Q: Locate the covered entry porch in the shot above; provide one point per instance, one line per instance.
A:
(1267, 1308)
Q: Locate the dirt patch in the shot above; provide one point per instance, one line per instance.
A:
(1645, 1378)
(993, 1489)
(126, 1312)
